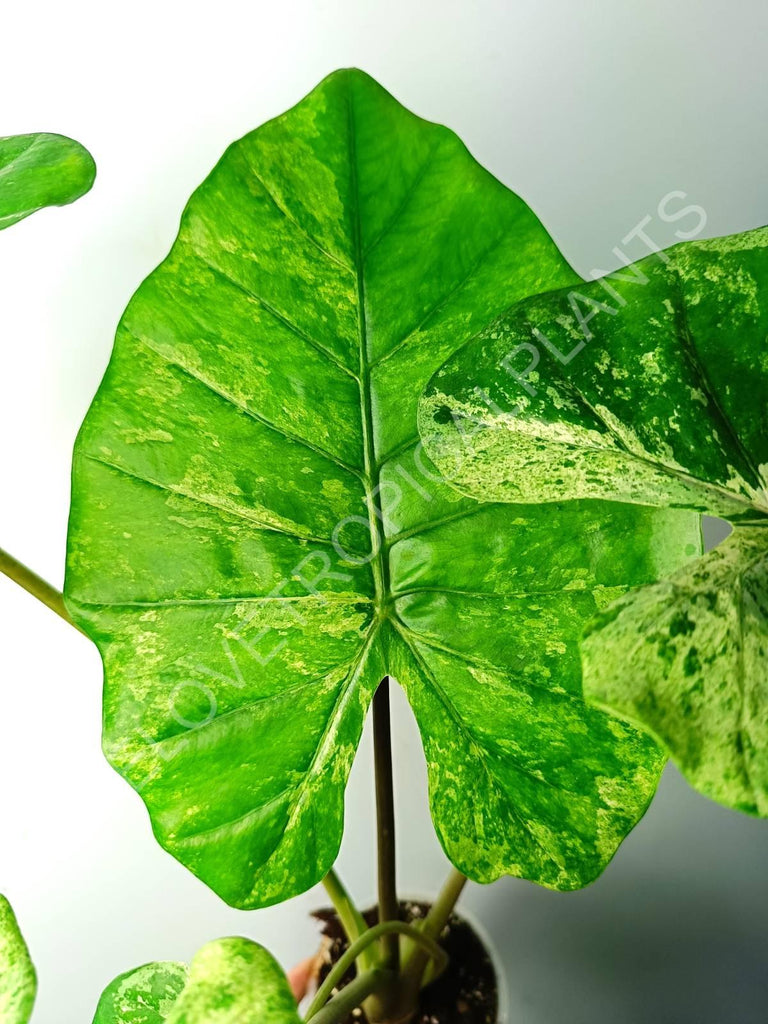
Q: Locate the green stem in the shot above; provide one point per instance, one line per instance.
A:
(437, 918)
(441, 910)
(350, 917)
(352, 920)
(351, 996)
(431, 950)
(389, 906)
(34, 585)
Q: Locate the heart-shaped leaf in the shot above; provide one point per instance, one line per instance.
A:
(230, 981)
(647, 387)
(235, 981)
(18, 981)
(41, 170)
(256, 538)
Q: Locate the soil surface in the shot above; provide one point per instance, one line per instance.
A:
(465, 994)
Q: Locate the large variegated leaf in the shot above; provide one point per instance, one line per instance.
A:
(650, 387)
(41, 170)
(230, 981)
(256, 537)
(18, 981)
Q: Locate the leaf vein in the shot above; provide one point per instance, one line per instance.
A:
(250, 413)
(258, 524)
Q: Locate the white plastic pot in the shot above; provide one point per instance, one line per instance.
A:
(498, 965)
(480, 930)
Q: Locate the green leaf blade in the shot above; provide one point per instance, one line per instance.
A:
(697, 647)
(235, 981)
(230, 981)
(41, 170)
(572, 426)
(494, 678)
(18, 980)
(145, 995)
(252, 509)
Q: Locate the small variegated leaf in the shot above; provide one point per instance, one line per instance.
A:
(235, 981)
(230, 981)
(41, 170)
(18, 981)
(142, 996)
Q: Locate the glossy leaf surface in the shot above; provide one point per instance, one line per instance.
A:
(256, 538)
(230, 981)
(41, 170)
(665, 402)
(18, 981)
(143, 996)
(235, 981)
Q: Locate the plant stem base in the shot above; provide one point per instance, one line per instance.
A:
(466, 994)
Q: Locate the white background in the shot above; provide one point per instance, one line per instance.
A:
(592, 111)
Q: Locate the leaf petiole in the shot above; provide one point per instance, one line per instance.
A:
(35, 585)
(389, 906)
(351, 919)
(429, 947)
(352, 996)
(416, 962)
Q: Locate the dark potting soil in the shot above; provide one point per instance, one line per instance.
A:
(467, 993)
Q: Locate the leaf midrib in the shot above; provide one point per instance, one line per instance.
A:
(691, 351)
(371, 467)
(20, 158)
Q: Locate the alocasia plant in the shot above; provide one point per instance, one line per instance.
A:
(41, 170)
(658, 397)
(256, 539)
